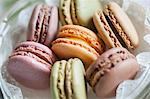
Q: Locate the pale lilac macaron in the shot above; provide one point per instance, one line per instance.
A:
(43, 24)
(30, 65)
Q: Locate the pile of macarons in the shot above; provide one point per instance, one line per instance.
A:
(92, 46)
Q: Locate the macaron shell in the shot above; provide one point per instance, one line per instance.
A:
(77, 28)
(31, 35)
(43, 24)
(40, 47)
(53, 26)
(78, 81)
(65, 50)
(85, 10)
(53, 80)
(29, 72)
(107, 85)
(73, 13)
(57, 79)
(64, 12)
(68, 79)
(75, 31)
(123, 20)
(104, 30)
(112, 51)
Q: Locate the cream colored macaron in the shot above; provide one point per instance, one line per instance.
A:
(115, 27)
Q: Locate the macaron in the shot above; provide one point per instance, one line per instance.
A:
(78, 12)
(67, 80)
(115, 27)
(43, 24)
(77, 41)
(110, 69)
(30, 64)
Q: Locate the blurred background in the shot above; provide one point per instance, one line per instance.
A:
(5, 5)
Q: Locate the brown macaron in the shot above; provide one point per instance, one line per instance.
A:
(111, 68)
(115, 27)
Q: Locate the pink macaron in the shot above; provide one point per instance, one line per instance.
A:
(43, 24)
(30, 64)
(111, 68)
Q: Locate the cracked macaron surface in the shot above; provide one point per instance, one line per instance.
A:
(110, 69)
(67, 80)
(30, 63)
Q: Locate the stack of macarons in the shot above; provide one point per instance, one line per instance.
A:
(65, 59)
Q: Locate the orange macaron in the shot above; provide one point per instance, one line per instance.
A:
(78, 41)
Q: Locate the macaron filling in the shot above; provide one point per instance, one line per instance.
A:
(119, 38)
(116, 25)
(36, 51)
(108, 29)
(106, 64)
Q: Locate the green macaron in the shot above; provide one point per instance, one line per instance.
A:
(67, 80)
(78, 12)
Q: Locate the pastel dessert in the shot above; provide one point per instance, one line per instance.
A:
(67, 80)
(111, 68)
(115, 27)
(30, 64)
(43, 24)
(77, 41)
(64, 12)
(78, 12)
